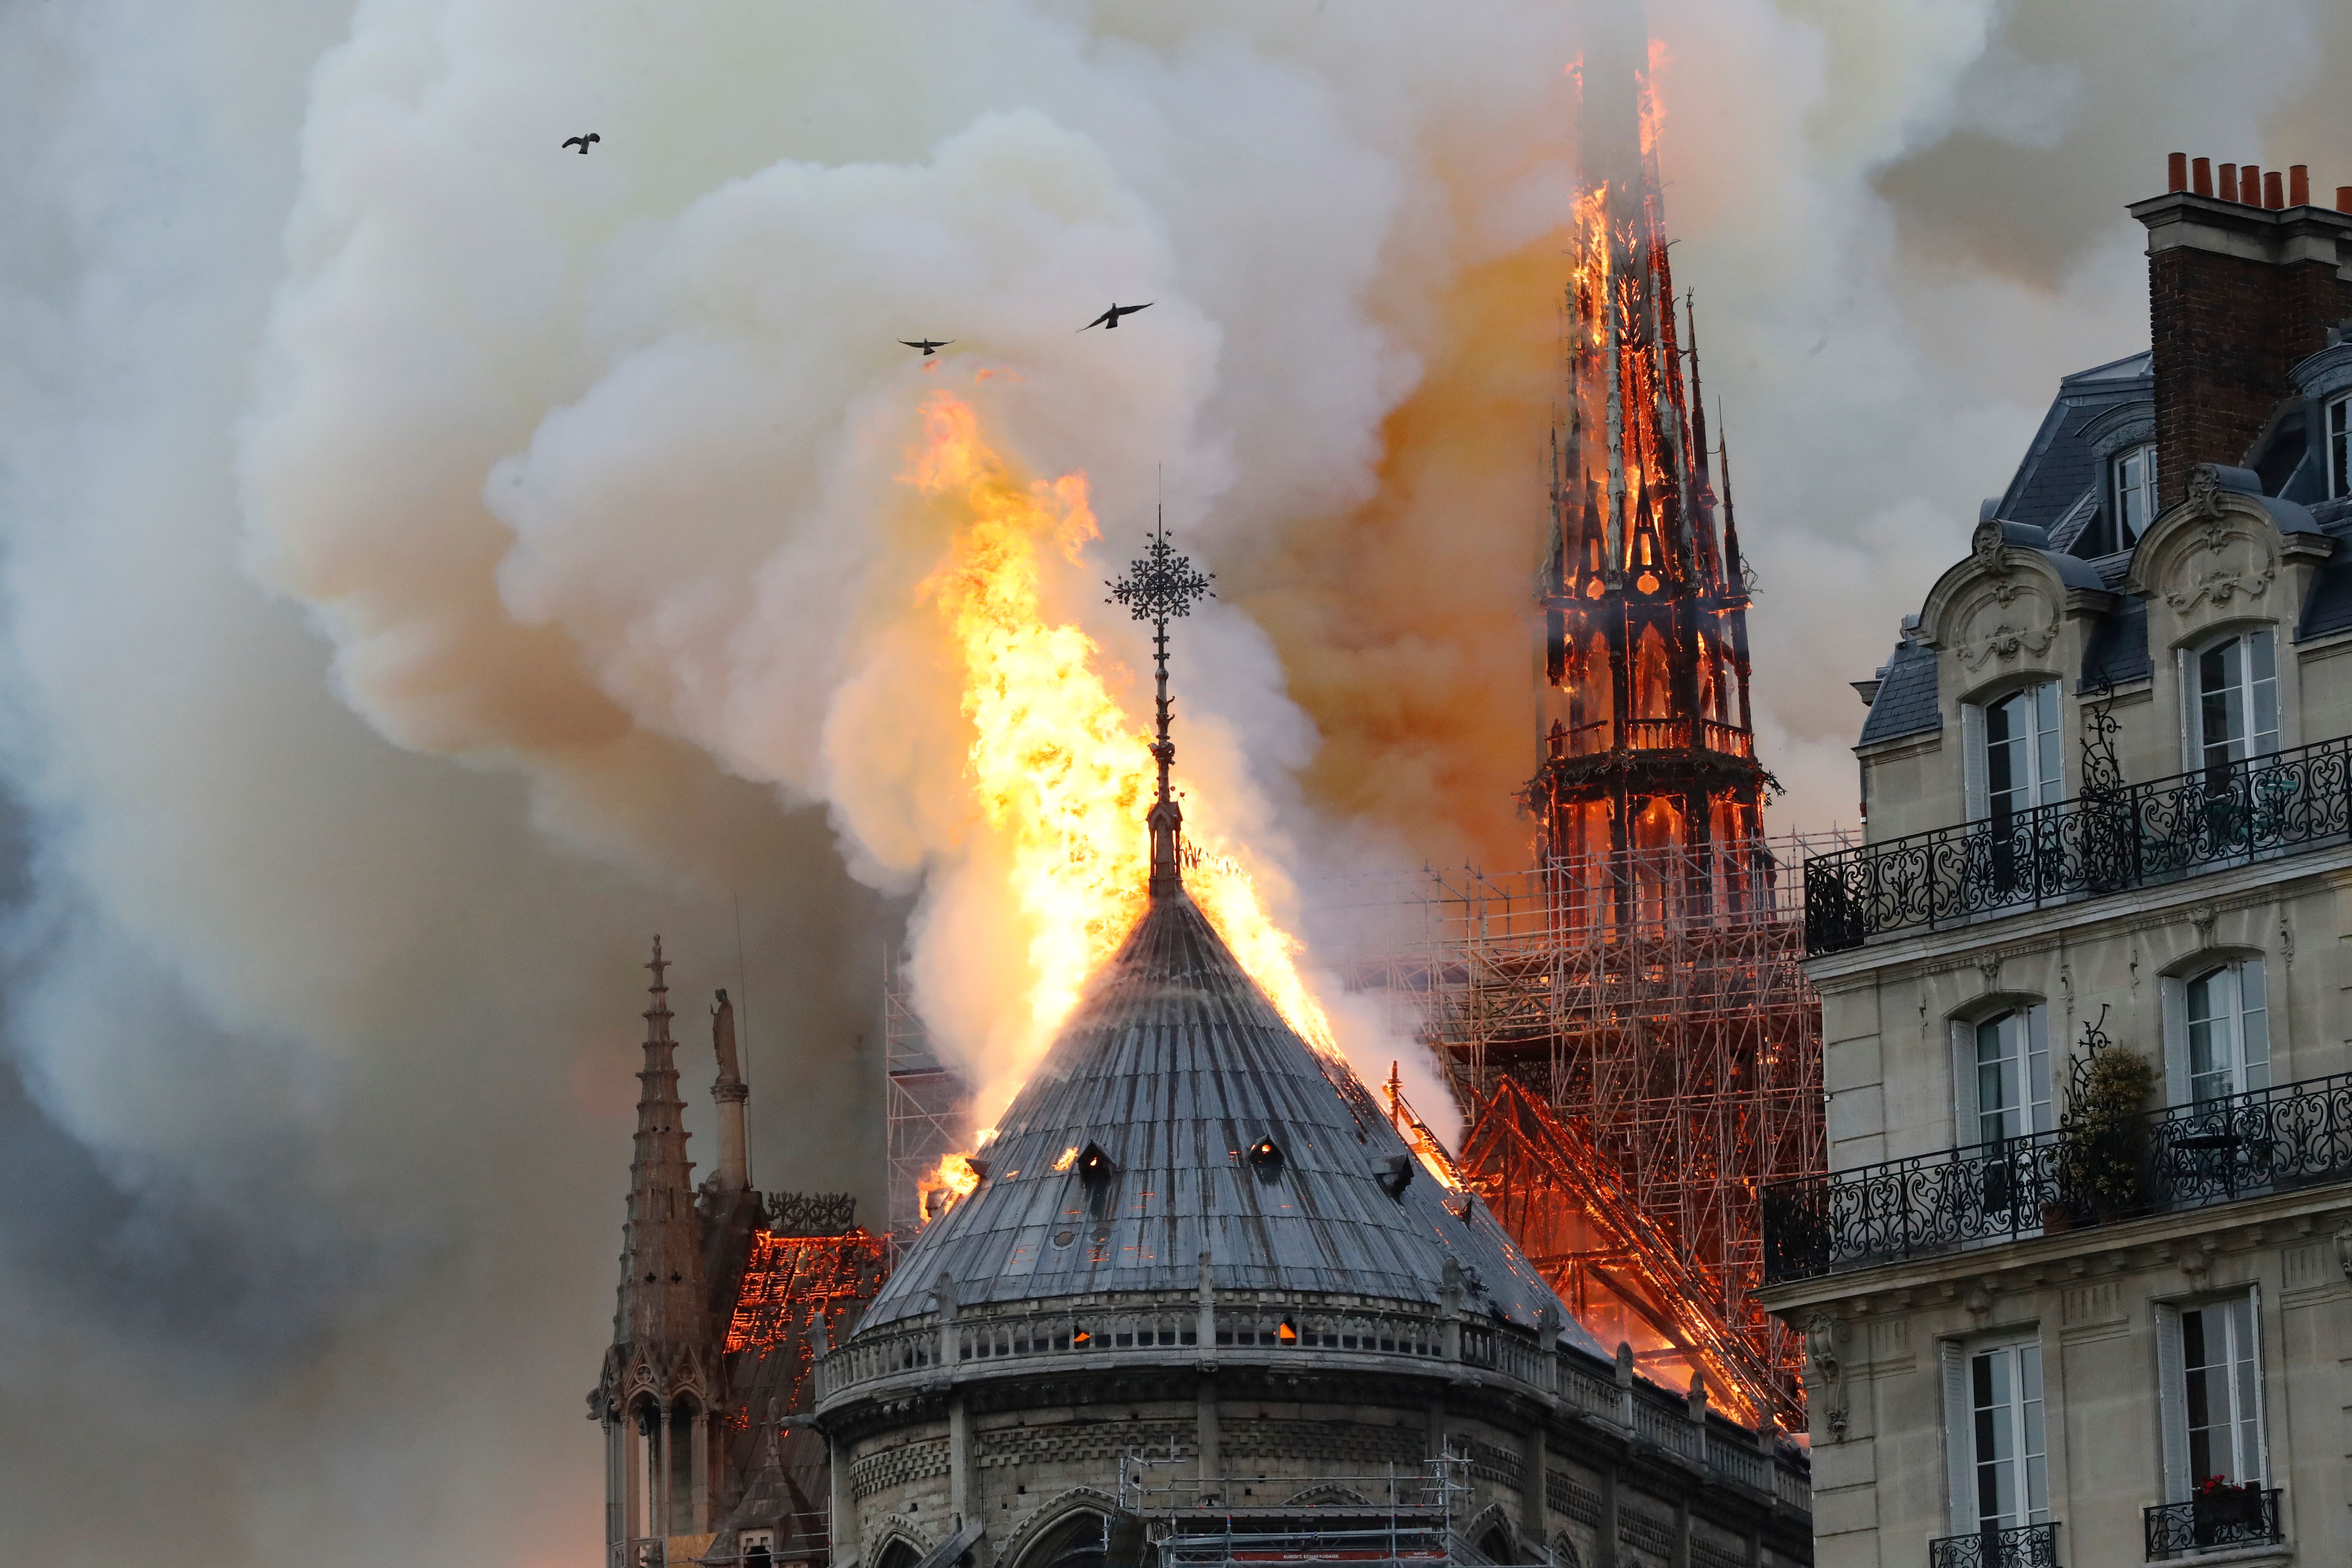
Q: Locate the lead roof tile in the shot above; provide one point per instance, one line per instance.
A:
(1174, 1064)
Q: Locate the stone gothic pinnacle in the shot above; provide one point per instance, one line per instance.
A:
(661, 1283)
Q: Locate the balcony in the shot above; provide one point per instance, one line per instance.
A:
(2130, 837)
(2027, 1546)
(2273, 1140)
(1603, 735)
(2211, 1521)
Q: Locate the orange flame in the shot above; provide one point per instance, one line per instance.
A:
(951, 1181)
(1653, 114)
(1059, 774)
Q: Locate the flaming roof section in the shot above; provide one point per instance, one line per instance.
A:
(1177, 1070)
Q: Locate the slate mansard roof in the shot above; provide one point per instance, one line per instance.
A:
(2057, 486)
(2056, 503)
(1176, 1066)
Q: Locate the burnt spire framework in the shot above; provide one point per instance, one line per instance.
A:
(1627, 1022)
(1647, 734)
(1161, 586)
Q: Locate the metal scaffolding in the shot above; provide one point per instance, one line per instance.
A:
(1637, 1050)
(925, 1105)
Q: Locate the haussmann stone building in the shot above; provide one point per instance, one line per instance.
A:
(2078, 1288)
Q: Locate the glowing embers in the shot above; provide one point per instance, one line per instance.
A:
(790, 1280)
(1615, 1266)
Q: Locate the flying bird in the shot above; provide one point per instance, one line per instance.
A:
(1108, 320)
(583, 143)
(926, 344)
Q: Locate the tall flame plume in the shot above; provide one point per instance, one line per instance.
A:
(1059, 774)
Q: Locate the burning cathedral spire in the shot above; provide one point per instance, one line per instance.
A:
(1642, 1054)
(1646, 731)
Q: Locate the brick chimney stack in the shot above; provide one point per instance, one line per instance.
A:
(2238, 290)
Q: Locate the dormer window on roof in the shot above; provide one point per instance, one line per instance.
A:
(2131, 489)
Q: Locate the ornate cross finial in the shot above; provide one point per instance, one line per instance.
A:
(1161, 586)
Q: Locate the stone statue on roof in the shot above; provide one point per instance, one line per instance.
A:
(722, 1039)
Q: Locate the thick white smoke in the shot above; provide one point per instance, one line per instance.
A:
(436, 561)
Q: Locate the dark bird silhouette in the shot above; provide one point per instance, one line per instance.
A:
(928, 347)
(1108, 320)
(583, 143)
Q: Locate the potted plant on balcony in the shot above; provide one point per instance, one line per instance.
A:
(2222, 1513)
(2102, 1139)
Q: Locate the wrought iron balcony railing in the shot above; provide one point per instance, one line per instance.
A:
(2273, 1140)
(2027, 1546)
(2125, 837)
(2226, 1516)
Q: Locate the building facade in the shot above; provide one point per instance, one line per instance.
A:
(2078, 1287)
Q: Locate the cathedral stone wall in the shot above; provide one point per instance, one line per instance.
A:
(1021, 1454)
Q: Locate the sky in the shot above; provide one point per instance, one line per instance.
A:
(431, 562)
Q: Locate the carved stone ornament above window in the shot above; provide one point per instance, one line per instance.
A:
(1984, 545)
(2120, 428)
(2224, 559)
(2008, 618)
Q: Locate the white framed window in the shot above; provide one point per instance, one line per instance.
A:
(2231, 686)
(2208, 1357)
(2131, 492)
(2002, 1073)
(1996, 1463)
(2339, 424)
(2014, 760)
(2226, 1031)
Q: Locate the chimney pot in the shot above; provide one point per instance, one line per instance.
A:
(2228, 182)
(2344, 198)
(2176, 171)
(2202, 176)
(2250, 184)
(2274, 191)
(2298, 185)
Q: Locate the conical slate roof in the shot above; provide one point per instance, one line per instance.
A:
(1175, 1068)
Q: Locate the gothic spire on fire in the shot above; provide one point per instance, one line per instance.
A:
(1644, 711)
(1161, 586)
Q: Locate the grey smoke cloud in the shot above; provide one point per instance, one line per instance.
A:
(433, 563)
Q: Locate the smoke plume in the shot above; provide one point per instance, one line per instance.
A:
(436, 561)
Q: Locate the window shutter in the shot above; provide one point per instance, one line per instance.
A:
(2175, 1040)
(2171, 1403)
(1972, 749)
(1964, 1086)
(1959, 1438)
(2261, 1392)
(2184, 668)
(2041, 1114)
